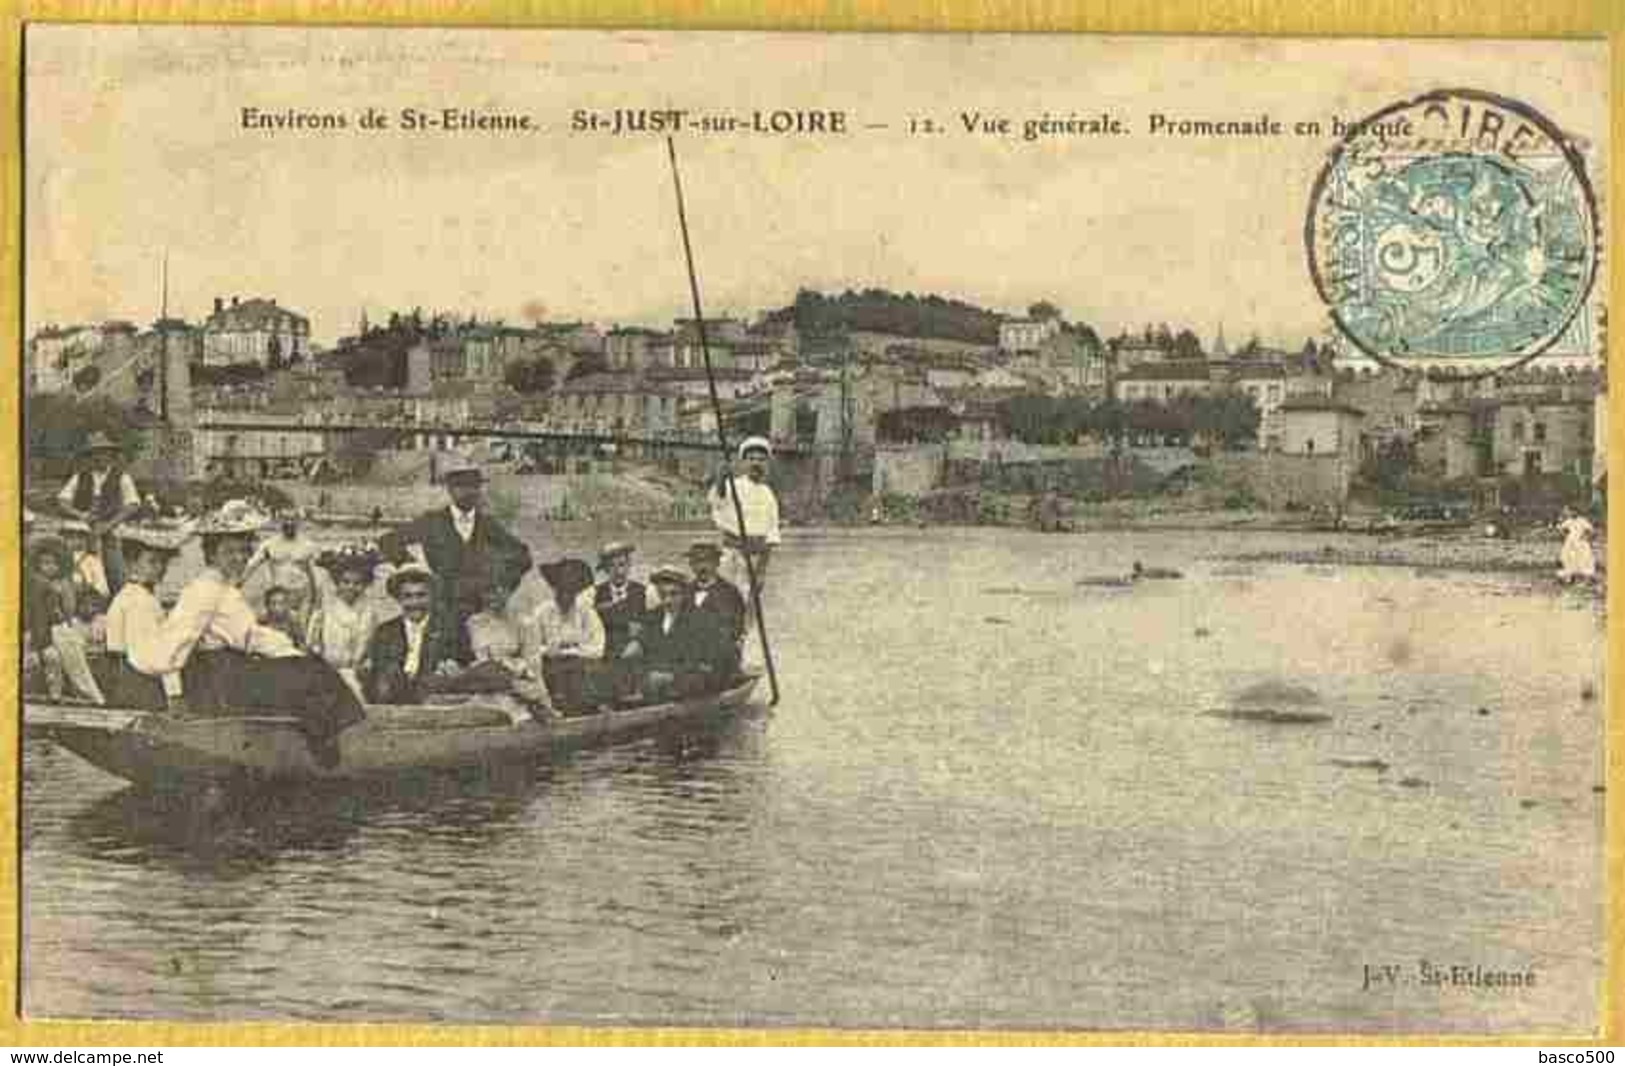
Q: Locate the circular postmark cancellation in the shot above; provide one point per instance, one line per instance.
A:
(1453, 231)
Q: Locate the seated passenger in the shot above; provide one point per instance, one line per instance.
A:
(409, 656)
(716, 615)
(279, 614)
(88, 572)
(688, 649)
(621, 604)
(663, 657)
(231, 664)
(564, 637)
(343, 620)
(44, 608)
(496, 642)
(56, 641)
(135, 617)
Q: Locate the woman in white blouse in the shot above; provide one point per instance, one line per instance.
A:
(229, 662)
(343, 620)
(565, 637)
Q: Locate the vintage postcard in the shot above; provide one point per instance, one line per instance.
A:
(758, 530)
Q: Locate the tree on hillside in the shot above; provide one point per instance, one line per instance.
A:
(529, 376)
(1186, 345)
(86, 378)
(593, 363)
(1043, 310)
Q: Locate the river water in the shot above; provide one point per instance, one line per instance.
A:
(991, 797)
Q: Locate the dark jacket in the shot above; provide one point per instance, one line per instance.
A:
(619, 616)
(43, 607)
(463, 572)
(383, 673)
(705, 637)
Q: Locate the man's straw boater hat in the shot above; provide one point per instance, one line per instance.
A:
(669, 575)
(409, 574)
(460, 466)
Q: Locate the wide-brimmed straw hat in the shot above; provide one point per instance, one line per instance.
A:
(614, 550)
(360, 559)
(163, 537)
(567, 574)
(409, 573)
(101, 442)
(670, 575)
(233, 518)
(704, 548)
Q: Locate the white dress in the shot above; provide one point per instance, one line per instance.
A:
(339, 632)
(1578, 559)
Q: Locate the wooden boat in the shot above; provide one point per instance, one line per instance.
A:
(164, 751)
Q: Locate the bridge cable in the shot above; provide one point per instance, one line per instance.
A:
(722, 432)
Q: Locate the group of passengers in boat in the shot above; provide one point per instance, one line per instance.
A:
(320, 650)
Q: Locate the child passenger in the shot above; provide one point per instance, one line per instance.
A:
(54, 641)
(279, 614)
(343, 620)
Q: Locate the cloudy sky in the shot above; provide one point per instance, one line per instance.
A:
(136, 144)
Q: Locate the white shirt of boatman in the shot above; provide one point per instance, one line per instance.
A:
(415, 632)
(464, 522)
(759, 503)
(211, 614)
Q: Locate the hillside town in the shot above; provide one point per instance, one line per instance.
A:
(886, 397)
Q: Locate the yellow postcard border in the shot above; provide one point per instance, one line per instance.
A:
(1469, 18)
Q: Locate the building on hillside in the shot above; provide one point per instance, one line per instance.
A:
(1074, 363)
(1270, 383)
(616, 405)
(781, 333)
(731, 382)
(1454, 439)
(1544, 436)
(629, 349)
(1390, 405)
(75, 359)
(722, 335)
(270, 443)
(1017, 335)
(1315, 425)
(1127, 353)
(1163, 381)
(576, 338)
(254, 331)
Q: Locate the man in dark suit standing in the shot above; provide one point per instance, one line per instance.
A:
(407, 655)
(462, 544)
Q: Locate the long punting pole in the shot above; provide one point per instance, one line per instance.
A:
(722, 433)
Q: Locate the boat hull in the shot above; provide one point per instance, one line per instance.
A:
(161, 751)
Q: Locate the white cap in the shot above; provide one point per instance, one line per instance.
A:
(750, 444)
